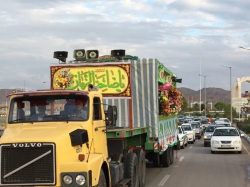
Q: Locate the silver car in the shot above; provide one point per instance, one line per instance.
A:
(208, 132)
(205, 123)
(198, 129)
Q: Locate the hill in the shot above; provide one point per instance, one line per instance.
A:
(213, 95)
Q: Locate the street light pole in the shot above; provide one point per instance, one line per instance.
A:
(230, 91)
(205, 92)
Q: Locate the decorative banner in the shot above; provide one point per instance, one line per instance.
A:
(112, 80)
(164, 75)
(168, 131)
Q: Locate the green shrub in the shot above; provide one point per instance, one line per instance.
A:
(244, 126)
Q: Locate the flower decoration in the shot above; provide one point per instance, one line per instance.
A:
(170, 100)
(63, 79)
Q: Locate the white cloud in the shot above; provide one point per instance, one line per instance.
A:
(180, 33)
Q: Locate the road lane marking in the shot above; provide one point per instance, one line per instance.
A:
(181, 158)
(246, 150)
(191, 147)
(164, 180)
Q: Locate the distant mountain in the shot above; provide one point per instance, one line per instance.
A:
(213, 95)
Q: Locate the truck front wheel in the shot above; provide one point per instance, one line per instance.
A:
(131, 170)
(102, 180)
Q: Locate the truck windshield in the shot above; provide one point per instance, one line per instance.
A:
(49, 108)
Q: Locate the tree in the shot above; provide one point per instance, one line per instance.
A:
(219, 106)
(202, 107)
(227, 111)
(184, 105)
(196, 107)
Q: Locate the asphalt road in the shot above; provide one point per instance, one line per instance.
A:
(195, 166)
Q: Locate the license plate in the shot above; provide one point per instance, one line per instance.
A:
(225, 145)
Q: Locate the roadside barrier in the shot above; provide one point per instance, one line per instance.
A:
(245, 136)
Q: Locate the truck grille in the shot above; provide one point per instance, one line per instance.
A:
(27, 164)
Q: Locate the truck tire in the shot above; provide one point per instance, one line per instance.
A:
(156, 159)
(131, 170)
(172, 155)
(142, 166)
(178, 146)
(102, 180)
(166, 158)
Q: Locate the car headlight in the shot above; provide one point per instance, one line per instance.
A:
(67, 179)
(80, 180)
(215, 142)
(207, 136)
(236, 142)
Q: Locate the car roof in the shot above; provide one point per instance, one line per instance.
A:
(185, 124)
(219, 125)
(226, 128)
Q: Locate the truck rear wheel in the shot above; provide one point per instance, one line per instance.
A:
(171, 155)
(156, 159)
(102, 180)
(166, 158)
(131, 170)
(142, 166)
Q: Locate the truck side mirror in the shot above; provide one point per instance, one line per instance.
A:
(79, 137)
(112, 115)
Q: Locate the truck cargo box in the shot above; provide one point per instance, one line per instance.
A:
(131, 85)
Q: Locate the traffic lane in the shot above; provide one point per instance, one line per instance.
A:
(196, 166)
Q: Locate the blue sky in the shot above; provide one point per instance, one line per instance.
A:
(188, 36)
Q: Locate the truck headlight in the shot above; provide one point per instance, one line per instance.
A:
(67, 179)
(80, 180)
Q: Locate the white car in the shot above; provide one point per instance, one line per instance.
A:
(218, 122)
(226, 139)
(182, 135)
(190, 132)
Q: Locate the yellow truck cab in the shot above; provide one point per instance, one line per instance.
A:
(59, 148)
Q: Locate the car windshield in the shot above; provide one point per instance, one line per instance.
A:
(225, 132)
(49, 108)
(210, 129)
(194, 125)
(204, 122)
(187, 128)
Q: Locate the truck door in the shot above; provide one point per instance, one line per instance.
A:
(99, 127)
